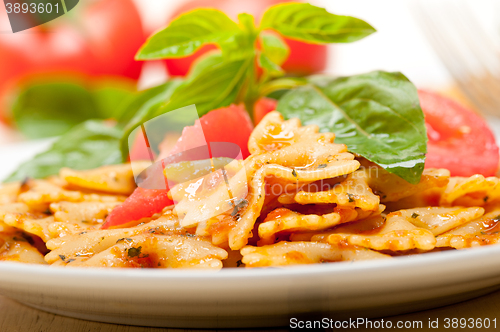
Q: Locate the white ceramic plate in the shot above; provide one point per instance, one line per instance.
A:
(248, 298)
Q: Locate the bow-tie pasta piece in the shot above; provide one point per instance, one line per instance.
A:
(293, 253)
(473, 191)
(9, 192)
(160, 251)
(113, 179)
(41, 193)
(351, 192)
(439, 220)
(479, 232)
(15, 248)
(392, 188)
(82, 246)
(396, 234)
(283, 219)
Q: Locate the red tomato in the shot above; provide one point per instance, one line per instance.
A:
(262, 107)
(96, 38)
(229, 124)
(142, 203)
(304, 58)
(459, 139)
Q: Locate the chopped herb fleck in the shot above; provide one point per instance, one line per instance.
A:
(483, 233)
(351, 199)
(485, 198)
(322, 165)
(414, 215)
(294, 173)
(62, 257)
(21, 239)
(238, 205)
(82, 233)
(124, 239)
(134, 252)
(239, 263)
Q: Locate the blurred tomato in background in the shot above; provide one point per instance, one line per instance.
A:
(97, 38)
(305, 59)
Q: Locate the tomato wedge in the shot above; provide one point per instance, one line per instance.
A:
(230, 124)
(459, 139)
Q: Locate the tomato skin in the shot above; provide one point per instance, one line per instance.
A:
(228, 124)
(263, 106)
(459, 139)
(304, 59)
(99, 39)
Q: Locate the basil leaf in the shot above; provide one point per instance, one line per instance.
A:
(90, 144)
(270, 68)
(140, 106)
(187, 33)
(274, 47)
(215, 86)
(377, 115)
(50, 109)
(309, 23)
(45, 109)
(112, 96)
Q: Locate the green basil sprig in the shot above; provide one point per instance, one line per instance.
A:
(89, 145)
(50, 108)
(377, 115)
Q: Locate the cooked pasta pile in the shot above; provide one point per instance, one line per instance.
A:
(308, 200)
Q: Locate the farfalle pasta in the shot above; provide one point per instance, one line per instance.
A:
(300, 198)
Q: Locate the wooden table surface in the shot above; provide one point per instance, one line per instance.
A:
(15, 317)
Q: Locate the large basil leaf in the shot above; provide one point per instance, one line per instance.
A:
(377, 115)
(90, 144)
(309, 23)
(189, 32)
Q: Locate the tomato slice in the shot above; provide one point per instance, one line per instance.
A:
(230, 124)
(263, 106)
(459, 139)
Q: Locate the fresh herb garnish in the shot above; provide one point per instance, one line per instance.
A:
(89, 145)
(414, 215)
(377, 115)
(294, 173)
(134, 252)
(351, 197)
